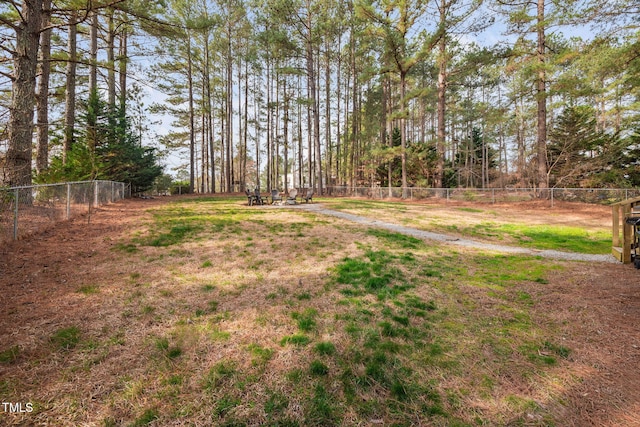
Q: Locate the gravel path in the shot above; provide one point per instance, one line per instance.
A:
(420, 234)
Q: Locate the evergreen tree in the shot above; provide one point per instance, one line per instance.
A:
(105, 151)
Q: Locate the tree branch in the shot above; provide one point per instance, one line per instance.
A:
(6, 49)
(9, 23)
(7, 75)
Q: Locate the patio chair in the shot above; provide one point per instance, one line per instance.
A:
(291, 198)
(259, 199)
(275, 196)
(308, 196)
(250, 197)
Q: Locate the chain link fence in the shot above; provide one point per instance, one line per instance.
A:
(32, 209)
(492, 195)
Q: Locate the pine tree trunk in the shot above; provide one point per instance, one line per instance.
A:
(93, 52)
(268, 129)
(246, 125)
(338, 110)
(314, 148)
(241, 148)
(388, 128)
(541, 146)
(403, 132)
(286, 139)
(229, 115)
(122, 69)
(209, 109)
(256, 118)
(20, 127)
(276, 139)
(93, 80)
(311, 166)
(327, 96)
(192, 138)
(111, 70)
(204, 146)
(442, 106)
(70, 88)
(300, 159)
(42, 97)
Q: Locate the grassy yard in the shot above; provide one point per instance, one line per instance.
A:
(485, 223)
(215, 313)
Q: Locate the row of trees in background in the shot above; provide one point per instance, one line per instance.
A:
(317, 93)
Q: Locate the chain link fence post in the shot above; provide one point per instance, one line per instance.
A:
(95, 192)
(15, 214)
(68, 216)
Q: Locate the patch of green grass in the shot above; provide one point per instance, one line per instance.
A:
(507, 270)
(388, 330)
(129, 248)
(545, 354)
(320, 410)
(303, 296)
(9, 355)
(471, 210)
(174, 352)
(225, 404)
(147, 417)
(66, 338)
(325, 348)
(318, 368)
(551, 237)
(295, 375)
(177, 234)
(296, 339)
(206, 264)
(148, 309)
(377, 274)
(171, 352)
(174, 380)
(563, 238)
(276, 403)
(217, 335)
(399, 390)
(260, 355)
(396, 239)
(218, 374)
(377, 282)
(377, 367)
(413, 301)
(305, 320)
(353, 272)
(403, 320)
(560, 350)
(354, 204)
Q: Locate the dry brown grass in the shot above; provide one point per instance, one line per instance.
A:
(225, 297)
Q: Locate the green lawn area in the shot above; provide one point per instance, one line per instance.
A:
(484, 225)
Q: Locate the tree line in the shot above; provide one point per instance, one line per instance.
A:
(319, 93)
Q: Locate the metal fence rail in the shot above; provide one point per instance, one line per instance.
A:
(492, 195)
(32, 209)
